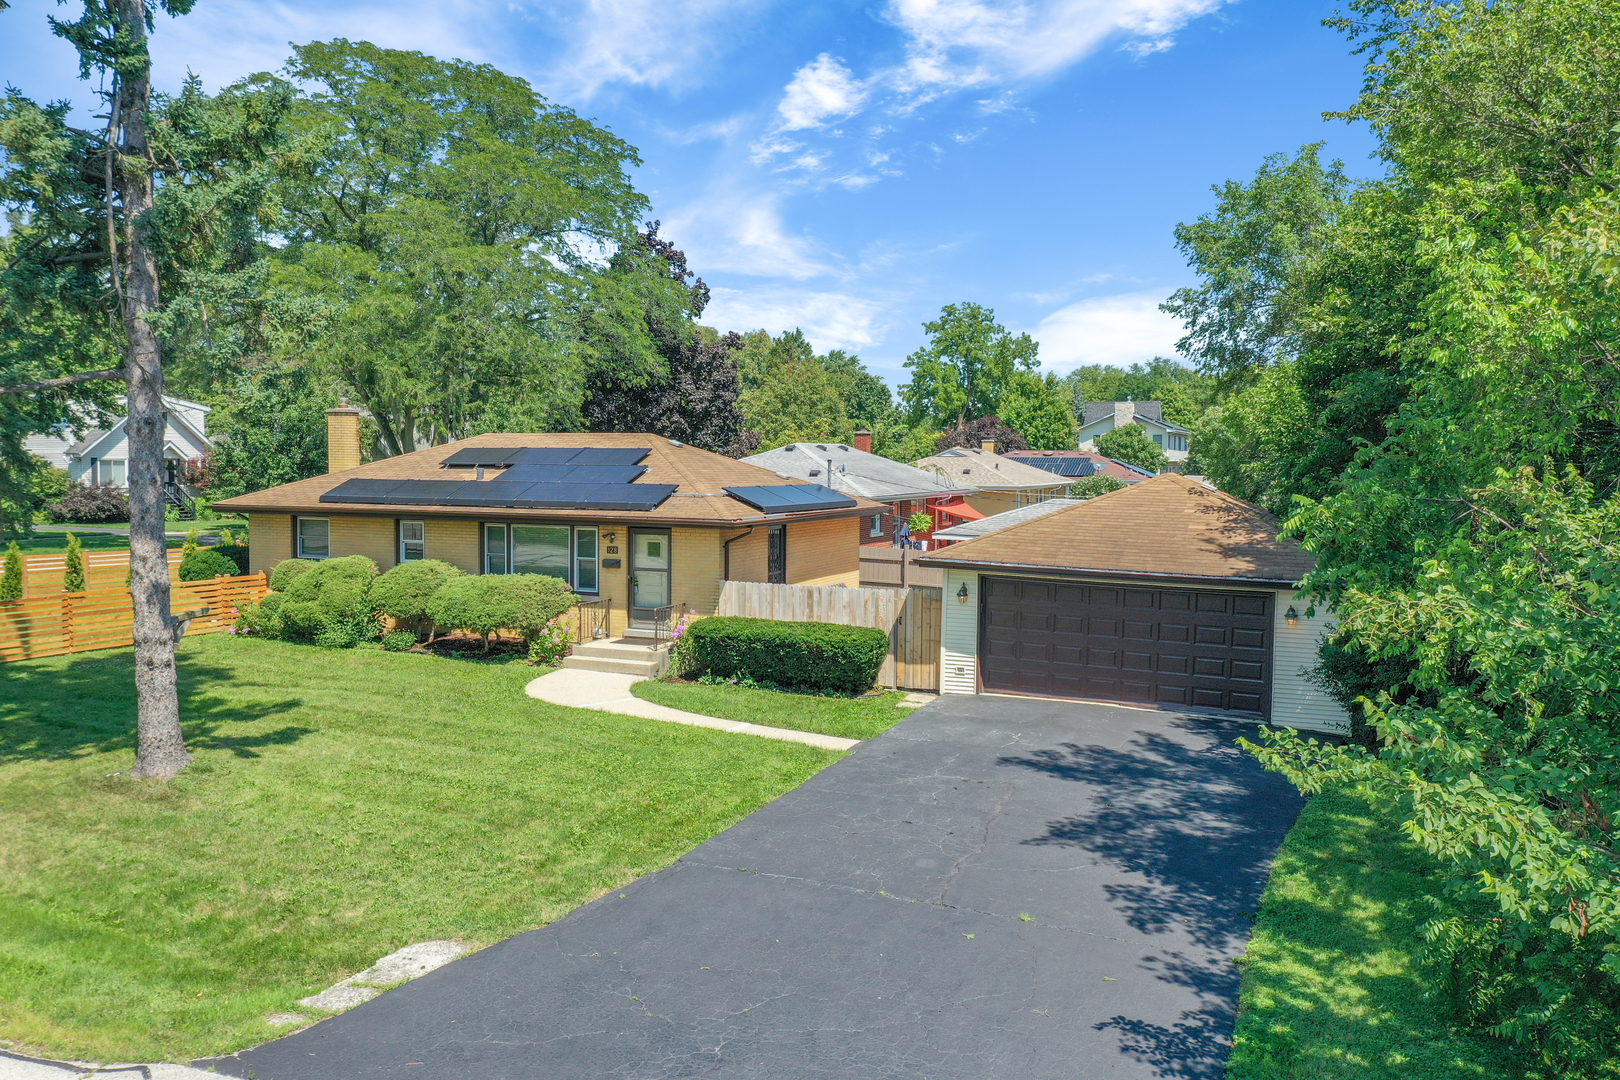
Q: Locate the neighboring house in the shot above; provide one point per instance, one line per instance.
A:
(1167, 594)
(1079, 464)
(855, 470)
(636, 523)
(1105, 416)
(1004, 484)
(972, 530)
(102, 455)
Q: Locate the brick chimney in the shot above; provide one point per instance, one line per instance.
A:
(342, 437)
(863, 440)
(987, 445)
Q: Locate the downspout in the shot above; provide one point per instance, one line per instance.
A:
(726, 547)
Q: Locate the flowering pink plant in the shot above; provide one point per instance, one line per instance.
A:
(553, 641)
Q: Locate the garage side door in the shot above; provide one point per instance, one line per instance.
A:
(1187, 647)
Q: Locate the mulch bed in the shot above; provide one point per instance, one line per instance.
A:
(471, 647)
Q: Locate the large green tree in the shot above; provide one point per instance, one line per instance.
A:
(110, 231)
(1040, 409)
(475, 243)
(968, 364)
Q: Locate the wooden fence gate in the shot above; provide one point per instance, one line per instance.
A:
(911, 618)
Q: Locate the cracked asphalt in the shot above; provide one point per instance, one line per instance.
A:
(996, 887)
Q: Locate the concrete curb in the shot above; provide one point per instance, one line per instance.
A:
(608, 692)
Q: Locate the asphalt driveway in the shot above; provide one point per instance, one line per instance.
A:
(996, 887)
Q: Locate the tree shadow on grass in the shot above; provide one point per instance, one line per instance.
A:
(56, 711)
(1196, 822)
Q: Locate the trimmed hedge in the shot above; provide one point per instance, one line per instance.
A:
(483, 604)
(403, 593)
(288, 571)
(237, 553)
(206, 564)
(329, 592)
(821, 656)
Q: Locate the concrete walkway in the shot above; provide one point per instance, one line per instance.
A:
(21, 1067)
(608, 692)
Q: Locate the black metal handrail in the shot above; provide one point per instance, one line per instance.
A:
(593, 616)
(175, 496)
(663, 623)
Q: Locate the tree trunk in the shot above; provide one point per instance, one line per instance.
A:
(161, 750)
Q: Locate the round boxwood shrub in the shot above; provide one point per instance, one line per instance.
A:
(237, 553)
(481, 605)
(814, 655)
(288, 571)
(403, 592)
(332, 591)
(206, 564)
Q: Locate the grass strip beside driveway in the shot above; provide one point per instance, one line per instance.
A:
(342, 805)
(1334, 983)
(846, 718)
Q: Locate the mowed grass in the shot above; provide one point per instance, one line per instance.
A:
(56, 543)
(846, 718)
(1334, 985)
(342, 805)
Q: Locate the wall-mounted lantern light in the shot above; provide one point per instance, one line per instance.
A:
(962, 594)
(611, 537)
(1292, 614)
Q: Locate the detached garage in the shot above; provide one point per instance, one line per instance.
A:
(1167, 594)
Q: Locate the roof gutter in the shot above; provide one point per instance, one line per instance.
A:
(1090, 572)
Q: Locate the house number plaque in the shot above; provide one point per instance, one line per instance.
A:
(612, 550)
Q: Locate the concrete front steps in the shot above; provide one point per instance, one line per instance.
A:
(621, 656)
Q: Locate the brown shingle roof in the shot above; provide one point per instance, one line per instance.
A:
(1166, 527)
(699, 477)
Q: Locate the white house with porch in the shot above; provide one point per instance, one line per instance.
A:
(101, 456)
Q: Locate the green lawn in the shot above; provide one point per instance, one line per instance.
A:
(846, 718)
(56, 543)
(342, 805)
(1333, 980)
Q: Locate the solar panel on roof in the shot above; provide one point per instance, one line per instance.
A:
(505, 493)
(574, 474)
(611, 455)
(545, 455)
(362, 490)
(491, 457)
(595, 496)
(790, 498)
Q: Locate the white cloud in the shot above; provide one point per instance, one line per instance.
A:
(831, 320)
(960, 43)
(821, 91)
(742, 232)
(1122, 329)
(648, 42)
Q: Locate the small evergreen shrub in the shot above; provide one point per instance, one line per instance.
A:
(819, 656)
(403, 592)
(190, 547)
(399, 641)
(205, 565)
(289, 570)
(73, 566)
(11, 586)
(237, 553)
(91, 504)
(332, 591)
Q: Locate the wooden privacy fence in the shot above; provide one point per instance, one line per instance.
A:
(894, 568)
(911, 618)
(65, 622)
(103, 571)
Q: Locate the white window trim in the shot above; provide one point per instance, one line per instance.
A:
(573, 565)
(877, 525)
(506, 547)
(402, 541)
(299, 525)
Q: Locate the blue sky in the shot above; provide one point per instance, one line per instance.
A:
(850, 168)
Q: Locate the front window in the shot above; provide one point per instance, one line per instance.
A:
(540, 549)
(494, 549)
(1158, 439)
(585, 559)
(412, 541)
(118, 473)
(314, 538)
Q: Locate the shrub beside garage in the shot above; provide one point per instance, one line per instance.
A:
(812, 655)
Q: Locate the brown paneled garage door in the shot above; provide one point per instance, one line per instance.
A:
(1150, 646)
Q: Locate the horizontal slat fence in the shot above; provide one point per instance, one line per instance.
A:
(103, 571)
(64, 622)
(911, 618)
(893, 568)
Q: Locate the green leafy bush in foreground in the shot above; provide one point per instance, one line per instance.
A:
(484, 604)
(823, 656)
(404, 592)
